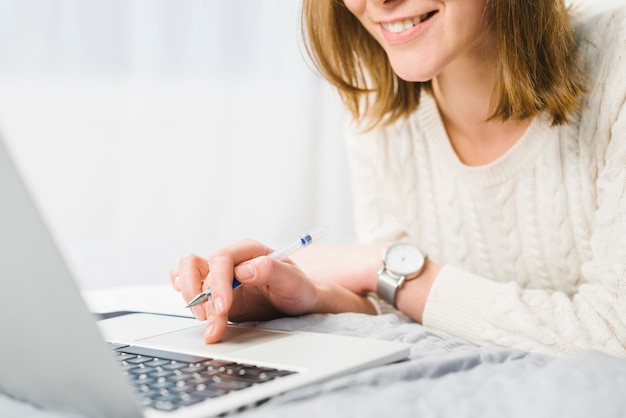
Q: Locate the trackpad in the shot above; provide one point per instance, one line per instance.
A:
(190, 340)
(132, 327)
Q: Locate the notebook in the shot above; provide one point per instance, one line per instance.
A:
(57, 356)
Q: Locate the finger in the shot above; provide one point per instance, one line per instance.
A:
(220, 279)
(192, 271)
(264, 270)
(221, 274)
(216, 324)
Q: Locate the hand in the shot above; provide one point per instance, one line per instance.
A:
(270, 288)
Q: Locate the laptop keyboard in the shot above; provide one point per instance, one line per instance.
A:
(167, 381)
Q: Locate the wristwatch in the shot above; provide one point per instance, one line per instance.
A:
(401, 262)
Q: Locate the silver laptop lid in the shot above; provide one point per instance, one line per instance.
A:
(49, 339)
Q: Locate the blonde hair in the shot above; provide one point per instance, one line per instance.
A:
(539, 69)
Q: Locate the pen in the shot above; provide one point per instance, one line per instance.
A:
(303, 241)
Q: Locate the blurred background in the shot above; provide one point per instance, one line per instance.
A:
(151, 129)
(148, 129)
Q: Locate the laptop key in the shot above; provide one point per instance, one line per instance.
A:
(161, 373)
(138, 360)
(141, 370)
(231, 385)
(174, 365)
(157, 362)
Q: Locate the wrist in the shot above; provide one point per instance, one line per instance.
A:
(412, 297)
(402, 262)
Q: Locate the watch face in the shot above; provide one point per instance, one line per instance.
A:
(404, 259)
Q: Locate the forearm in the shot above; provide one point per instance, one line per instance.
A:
(351, 267)
(355, 269)
(344, 275)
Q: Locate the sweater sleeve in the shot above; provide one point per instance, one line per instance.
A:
(505, 314)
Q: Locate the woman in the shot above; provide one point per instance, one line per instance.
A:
(490, 135)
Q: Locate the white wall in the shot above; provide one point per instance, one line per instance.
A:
(152, 128)
(149, 129)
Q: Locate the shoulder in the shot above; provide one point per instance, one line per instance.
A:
(601, 39)
(601, 139)
(404, 146)
(606, 24)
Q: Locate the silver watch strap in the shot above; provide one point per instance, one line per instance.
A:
(387, 288)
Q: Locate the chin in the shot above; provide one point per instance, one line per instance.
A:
(412, 73)
(414, 77)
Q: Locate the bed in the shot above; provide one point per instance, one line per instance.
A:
(443, 377)
(446, 377)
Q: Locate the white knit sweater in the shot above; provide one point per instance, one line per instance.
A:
(533, 244)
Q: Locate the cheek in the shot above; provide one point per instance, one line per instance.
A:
(473, 17)
(356, 7)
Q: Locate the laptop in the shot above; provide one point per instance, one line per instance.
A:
(57, 356)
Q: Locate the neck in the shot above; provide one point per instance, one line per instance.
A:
(464, 93)
(464, 89)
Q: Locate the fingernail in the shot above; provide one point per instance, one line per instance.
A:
(245, 271)
(209, 330)
(219, 305)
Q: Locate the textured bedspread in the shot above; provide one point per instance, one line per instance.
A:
(444, 377)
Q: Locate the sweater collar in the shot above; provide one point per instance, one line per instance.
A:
(518, 158)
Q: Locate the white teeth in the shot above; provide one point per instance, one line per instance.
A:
(406, 24)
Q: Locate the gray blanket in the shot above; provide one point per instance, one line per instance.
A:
(444, 377)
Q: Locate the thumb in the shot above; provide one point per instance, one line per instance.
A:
(245, 271)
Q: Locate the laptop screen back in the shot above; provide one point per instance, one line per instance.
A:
(49, 339)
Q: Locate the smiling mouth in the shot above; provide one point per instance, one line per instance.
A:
(406, 24)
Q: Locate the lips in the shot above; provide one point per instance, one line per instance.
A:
(406, 24)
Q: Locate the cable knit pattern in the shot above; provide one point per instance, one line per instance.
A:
(533, 244)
